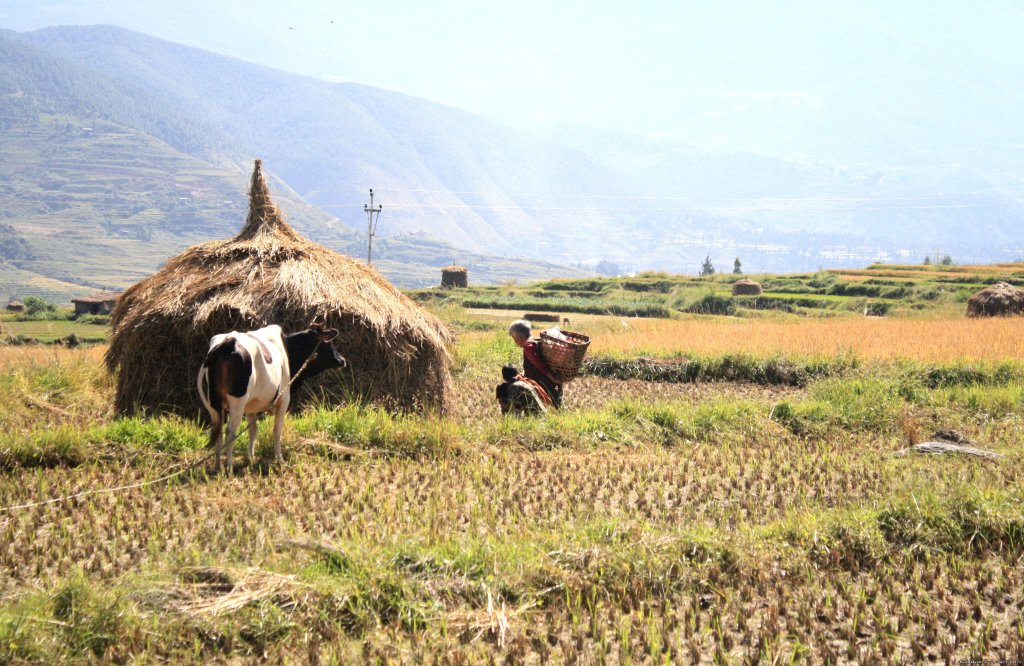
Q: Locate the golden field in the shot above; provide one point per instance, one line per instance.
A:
(867, 337)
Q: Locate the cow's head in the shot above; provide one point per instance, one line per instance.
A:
(315, 339)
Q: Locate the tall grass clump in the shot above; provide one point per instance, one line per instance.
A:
(166, 434)
(51, 385)
(561, 430)
(853, 404)
(670, 424)
(61, 446)
(484, 354)
(773, 370)
(374, 428)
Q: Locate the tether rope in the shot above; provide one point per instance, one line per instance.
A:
(100, 491)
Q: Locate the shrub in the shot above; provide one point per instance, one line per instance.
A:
(713, 304)
(36, 305)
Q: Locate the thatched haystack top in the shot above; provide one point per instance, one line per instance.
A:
(269, 261)
(746, 287)
(102, 297)
(1001, 299)
(454, 276)
(269, 273)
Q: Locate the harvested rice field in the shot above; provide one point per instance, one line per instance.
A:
(692, 503)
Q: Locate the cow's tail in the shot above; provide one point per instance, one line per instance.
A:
(205, 396)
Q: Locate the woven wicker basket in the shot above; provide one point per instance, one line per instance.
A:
(564, 357)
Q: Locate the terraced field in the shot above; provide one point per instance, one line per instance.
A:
(881, 289)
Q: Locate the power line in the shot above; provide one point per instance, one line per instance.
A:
(645, 197)
(623, 209)
(750, 209)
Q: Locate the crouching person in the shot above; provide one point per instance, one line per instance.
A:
(520, 396)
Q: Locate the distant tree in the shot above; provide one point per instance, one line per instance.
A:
(707, 268)
(946, 260)
(608, 268)
(36, 305)
(737, 267)
(927, 261)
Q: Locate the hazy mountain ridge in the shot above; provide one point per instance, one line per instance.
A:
(333, 141)
(456, 177)
(94, 198)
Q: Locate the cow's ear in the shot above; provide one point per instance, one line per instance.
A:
(327, 334)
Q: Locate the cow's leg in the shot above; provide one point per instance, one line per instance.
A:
(216, 417)
(252, 437)
(282, 407)
(235, 420)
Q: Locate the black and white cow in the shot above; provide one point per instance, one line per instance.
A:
(246, 374)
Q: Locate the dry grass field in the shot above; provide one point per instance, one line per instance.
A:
(865, 337)
(716, 521)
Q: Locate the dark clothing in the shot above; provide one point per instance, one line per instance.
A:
(520, 397)
(535, 368)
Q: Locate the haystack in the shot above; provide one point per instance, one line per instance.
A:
(1001, 299)
(269, 274)
(454, 276)
(746, 287)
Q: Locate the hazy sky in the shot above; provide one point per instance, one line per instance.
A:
(653, 67)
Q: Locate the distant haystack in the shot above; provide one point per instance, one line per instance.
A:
(454, 276)
(746, 287)
(269, 274)
(999, 300)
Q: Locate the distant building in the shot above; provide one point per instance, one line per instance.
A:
(101, 303)
(15, 306)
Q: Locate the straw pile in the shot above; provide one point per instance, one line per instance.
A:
(454, 276)
(1001, 299)
(268, 273)
(746, 287)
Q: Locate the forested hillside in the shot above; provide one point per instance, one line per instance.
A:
(445, 170)
(102, 179)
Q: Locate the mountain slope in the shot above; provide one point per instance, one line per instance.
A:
(101, 180)
(333, 141)
(456, 178)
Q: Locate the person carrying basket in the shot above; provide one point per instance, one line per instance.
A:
(534, 365)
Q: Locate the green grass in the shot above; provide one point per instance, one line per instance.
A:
(51, 330)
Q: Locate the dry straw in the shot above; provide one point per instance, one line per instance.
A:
(269, 274)
(746, 287)
(454, 276)
(1001, 299)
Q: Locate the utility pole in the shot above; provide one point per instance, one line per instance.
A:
(372, 218)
